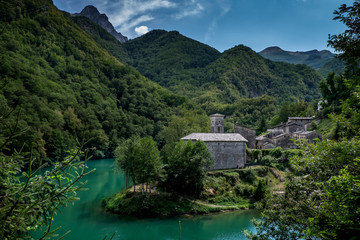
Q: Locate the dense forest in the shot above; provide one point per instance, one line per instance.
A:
(206, 76)
(68, 89)
(66, 83)
(322, 193)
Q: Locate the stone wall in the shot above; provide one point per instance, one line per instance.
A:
(227, 154)
(248, 134)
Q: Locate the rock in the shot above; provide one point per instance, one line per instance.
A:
(101, 19)
(210, 191)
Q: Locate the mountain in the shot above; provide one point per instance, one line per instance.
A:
(170, 58)
(200, 72)
(334, 65)
(314, 58)
(242, 72)
(63, 88)
(101, 19)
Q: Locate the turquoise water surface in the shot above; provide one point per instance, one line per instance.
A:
(87, 220)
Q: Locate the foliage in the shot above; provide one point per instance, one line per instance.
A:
(71, 89)
(292, 109)
(334, 91)
(30, 196)
(186, 168)
(307, 207)
(159, 204)
(260, 190)
(313, 58)
(348, 43)
(335, 65)
(200, 72)
(140, 159)
(349, 119)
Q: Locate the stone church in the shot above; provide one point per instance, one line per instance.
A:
(228, 149)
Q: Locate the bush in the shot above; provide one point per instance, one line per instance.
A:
(276, 152)
(260, 190)
(248, 176)
(268, 160)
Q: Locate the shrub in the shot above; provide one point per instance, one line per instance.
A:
(276, 152)
(248, 176)
(268, 160)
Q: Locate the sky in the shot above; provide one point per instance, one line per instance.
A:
(293, 25)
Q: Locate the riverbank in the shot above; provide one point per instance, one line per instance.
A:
(162, 204)
(225, 190)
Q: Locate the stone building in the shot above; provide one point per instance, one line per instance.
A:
(217, 123)
(248, 134)
(284, 134)
(228, 149)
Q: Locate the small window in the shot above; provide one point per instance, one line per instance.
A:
(218, 129)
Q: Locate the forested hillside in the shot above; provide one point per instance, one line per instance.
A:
(200, 72)
(67, 89)
(324, 62)
(313, 58)
(193, 69)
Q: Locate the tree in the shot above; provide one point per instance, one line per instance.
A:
(321, 199)
(348, 43)
(29, 196)
(333, 90)
(187, 167)
(322, 195)
(140, 159)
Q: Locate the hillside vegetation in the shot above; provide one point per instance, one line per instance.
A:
(196, 70)
(67, 89)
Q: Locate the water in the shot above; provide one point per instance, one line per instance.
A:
(87, 220)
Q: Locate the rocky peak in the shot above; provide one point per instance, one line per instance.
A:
(101, 19)
(90, 11)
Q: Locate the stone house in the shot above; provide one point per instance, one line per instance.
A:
(228, 149)
(248, 134)
(283, 134)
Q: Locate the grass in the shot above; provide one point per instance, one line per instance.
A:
(223, 191)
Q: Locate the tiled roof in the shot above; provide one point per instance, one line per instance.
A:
(215, 137)
(300, 118)
(217, 115)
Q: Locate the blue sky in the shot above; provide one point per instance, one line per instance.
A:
(294, 25)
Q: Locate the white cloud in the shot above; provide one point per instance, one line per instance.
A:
(141, 30)
(224, 7)
(191, 8)
(125, 14)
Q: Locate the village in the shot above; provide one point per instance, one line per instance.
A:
(229, 149)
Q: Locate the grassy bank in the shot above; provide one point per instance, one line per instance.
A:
(223, 190)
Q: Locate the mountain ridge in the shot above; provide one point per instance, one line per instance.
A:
(312, 58)
(101, 19)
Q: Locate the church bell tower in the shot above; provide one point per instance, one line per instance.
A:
(217, 123)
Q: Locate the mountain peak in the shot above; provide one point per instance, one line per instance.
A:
(312, 58)
(273, 49)
(90, 10)
(101, 19)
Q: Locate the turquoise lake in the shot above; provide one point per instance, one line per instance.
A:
(87, 220)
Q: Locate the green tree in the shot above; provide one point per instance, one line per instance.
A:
(333, 90)
(321, 196)
(29, 196)
(187, 167)
(140, 159)
(348, 42)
